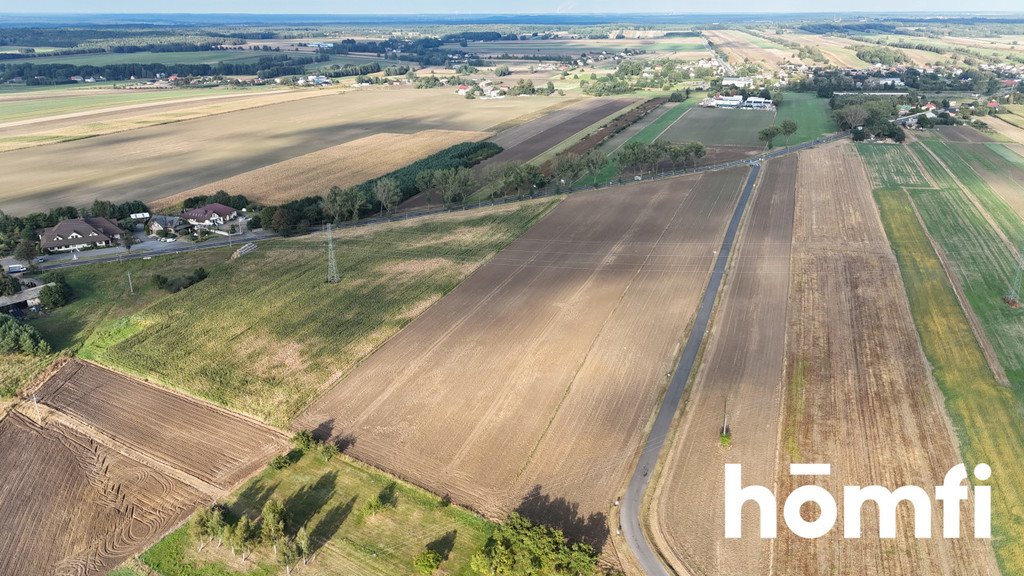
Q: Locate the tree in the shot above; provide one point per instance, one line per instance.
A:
(427, 562)
(568, 168)
(695, 151)
(593, 162)
(272, 522)
(425, 183)
(242, 536)
(518, 547)
(676, 154)
(303, 544)
(767, 135)
(303, 441)
(18, 338)
(53, 297)
(26, 250)
(351, 201)
(386, 191)
(456, 184)
(127, 240)
(551, 87)
(207, 525)
(502, 70)
(853, 116)
(327, 451)
(287, 552)
(788, 127)
(9, 285)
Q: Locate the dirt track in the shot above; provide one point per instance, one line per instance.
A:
(858, 391)
(543, 368)
(741, 375)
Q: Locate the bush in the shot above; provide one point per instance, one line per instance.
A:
(55, 296)
(9, 285)
(173, 285)
(280, 462)
(16, 338)
(427, 562)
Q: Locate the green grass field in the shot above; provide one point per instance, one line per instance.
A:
(264, 334)
(715, 127)
(331, 501)
(891, 166)
(812, 115)
(1006, 154)
(107, 58)
(986, 416)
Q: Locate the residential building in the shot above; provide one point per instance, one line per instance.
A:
(159, 223)
(210, 215)
(80, 234)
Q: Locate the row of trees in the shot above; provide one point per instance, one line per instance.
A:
(785, 128)
(18, 338)
(640, 157)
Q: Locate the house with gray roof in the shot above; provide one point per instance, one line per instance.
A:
(80, 234)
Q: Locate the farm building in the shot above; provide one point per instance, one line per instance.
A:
(757, 103)
(80, 233)
(728, 102)
(26, 298)
(741, 82)
(210, 215)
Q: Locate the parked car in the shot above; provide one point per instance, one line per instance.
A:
(40, 259)
(16, 268)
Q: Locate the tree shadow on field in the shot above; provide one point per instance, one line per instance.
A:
(324, 430)
(329, 525)
(443, 546)
(307, 501)
(253, 497)
(557, 512)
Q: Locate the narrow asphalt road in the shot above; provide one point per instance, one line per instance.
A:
(632, 502)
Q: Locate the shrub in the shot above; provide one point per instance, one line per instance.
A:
(427, 562)
(16, 338)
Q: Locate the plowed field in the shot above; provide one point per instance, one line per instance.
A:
(533, 381)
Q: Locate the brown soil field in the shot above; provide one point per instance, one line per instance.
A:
(205, 442)
(858, 389)
(740, 375)
(962, 134)
(72, 506)
(740, 47)
(532, 382)
(343, 165)
(549, 134)
(147, 163)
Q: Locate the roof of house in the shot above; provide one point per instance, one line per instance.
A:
(203, 213)
(166, 221)
(88, 230)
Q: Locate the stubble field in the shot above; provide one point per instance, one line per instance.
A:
(858, 391)
(530, 385)
(146, 163)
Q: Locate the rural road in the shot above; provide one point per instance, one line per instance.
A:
(632, 502)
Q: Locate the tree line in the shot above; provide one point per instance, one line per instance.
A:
(266, 67)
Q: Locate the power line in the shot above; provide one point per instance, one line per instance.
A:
(332, 262)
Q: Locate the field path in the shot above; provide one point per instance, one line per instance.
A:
(632, 503)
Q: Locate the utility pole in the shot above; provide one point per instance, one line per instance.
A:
(35, 403)
(130, 287)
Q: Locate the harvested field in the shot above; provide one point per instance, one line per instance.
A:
(741, 376)
(72, 506)
(837, 50)
(962, 134)
(553, 354)
(146, 163)
(88, 123)
(532, 144)
(208, 443)
(741, 46)
(720, 127)
(343, 165)
(1005, 129)
(859, 394)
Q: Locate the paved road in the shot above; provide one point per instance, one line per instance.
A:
(633, 501)
(166, 248)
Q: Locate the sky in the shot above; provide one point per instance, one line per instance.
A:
(499, 7)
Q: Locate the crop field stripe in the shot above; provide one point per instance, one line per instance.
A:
(985, 415)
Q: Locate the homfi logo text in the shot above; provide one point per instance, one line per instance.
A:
(949, 495)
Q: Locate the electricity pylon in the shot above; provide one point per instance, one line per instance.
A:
(332, 263)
